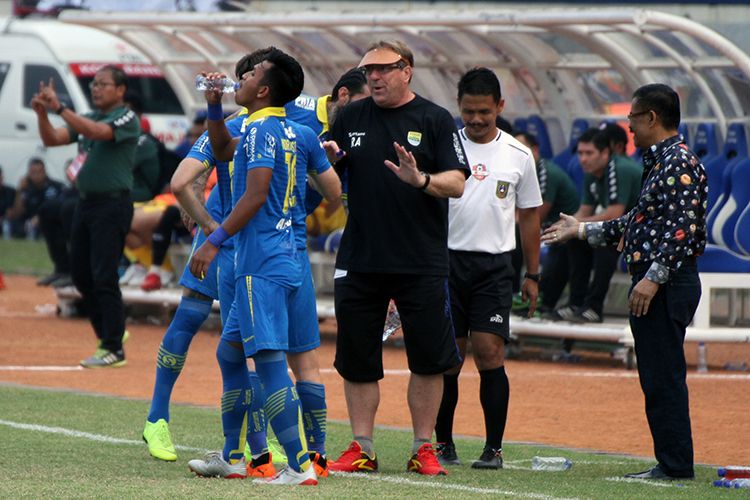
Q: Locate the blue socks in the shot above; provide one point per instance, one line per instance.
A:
(256, 428)
(190, 315)
(234, 399)
(283, 407)
(314, 414)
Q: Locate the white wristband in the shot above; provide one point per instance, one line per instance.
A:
(582, 231)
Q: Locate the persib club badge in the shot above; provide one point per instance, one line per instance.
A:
(414, 138)
(501, 191)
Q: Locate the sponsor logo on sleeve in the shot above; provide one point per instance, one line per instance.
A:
(458, 149)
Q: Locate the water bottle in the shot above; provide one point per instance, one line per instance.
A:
(551, 463)
(734, 472)
(392, 321)
(225, 84)
(733, 483)
(702, 361)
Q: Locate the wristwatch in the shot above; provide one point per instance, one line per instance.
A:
(62, 108)
(533, 277)
(426, 176)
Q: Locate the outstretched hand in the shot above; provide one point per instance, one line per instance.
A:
(561, 231)
(406, 170)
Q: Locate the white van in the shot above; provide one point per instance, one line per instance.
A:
(34, 50)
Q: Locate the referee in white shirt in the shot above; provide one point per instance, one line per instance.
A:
(481, 237)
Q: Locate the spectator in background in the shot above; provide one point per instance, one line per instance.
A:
(195, 130)
(55, 221)
(146, 171)
(618, 139)
(33, 190)
(559, 195)
(611, 184)
(7, 198)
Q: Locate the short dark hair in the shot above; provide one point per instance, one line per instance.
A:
(663, 101)
(597, 137)
(614, 132)
(529, 138)
(118, 75)
(354, 80)
(248, 61)
(480, 81)
(284, 77)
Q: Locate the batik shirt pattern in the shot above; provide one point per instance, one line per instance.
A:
(668, 224)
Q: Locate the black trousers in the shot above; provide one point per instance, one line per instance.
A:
(659, 337)
(555, 275)
(583, 258)
(55, 221)
(97, 241)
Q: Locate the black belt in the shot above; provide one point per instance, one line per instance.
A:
(642, 267)
(106, 195)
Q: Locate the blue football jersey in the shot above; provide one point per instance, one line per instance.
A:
(266, 246)
(311, 159)
(310, 111)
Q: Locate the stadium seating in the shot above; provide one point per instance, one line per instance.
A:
(719, 174)
(684, 131)
(520, 124)
(705, 142)
(742, 231)
(535, 125)
(577, 128)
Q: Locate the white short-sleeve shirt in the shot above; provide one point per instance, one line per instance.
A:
(503, 178)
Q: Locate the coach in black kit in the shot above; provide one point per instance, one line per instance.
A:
(402, 158)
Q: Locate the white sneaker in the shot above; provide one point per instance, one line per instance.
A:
(291, 477)
(133, 275)
(214, 465)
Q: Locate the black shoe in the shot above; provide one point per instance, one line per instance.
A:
(490, 459)
(47, 280)
(655, 473)
(446, 454)
(63, 281)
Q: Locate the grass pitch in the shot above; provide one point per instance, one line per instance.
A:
(58, 444)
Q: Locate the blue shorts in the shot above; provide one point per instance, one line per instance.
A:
(304, 334)
(219, 281)
(259, 316)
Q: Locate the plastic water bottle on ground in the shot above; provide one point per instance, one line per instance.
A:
(392, 321)
(551, 463)
(702, 358)
(734, 471)
(733, 483)
(226, 84)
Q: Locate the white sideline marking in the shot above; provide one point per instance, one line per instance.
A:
(658, 484)
(85, 435)
(449, 486)
(19, 368)
(394, 480)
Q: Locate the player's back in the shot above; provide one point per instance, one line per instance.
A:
(311, 159)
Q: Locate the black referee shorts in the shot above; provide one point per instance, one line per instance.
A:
(481, 286)
(424, 306)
